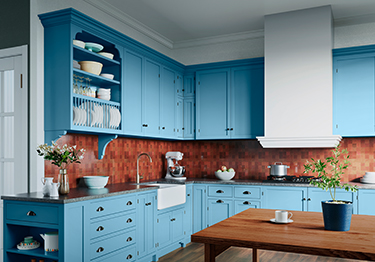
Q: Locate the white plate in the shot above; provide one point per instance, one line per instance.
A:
(75, 115)
(84, 117)
(273, 220)
(367, 181)
(118, 117)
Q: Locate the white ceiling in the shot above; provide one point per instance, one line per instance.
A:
(178, 21)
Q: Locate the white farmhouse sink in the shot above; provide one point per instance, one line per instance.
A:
(170, 195)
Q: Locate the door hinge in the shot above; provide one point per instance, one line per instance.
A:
(199, 82)
(137, 201)
(157, 220)
(357, 197)
(185, 212)
(138, 253)
(337, 126)
(262, 193)
(159, 75)
(337, 70)
(174, 81)
(208, 208)
(21, 81)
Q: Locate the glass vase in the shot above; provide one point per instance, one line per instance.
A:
(64, 182)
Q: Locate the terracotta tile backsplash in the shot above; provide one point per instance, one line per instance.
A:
(201, 158)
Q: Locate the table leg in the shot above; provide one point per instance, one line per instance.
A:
(255, 255)
(209, 253)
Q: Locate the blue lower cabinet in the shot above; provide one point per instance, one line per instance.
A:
(199, 207)
(126, 254)
(242, 205)
(366, 200)
(284, 197)
(146, 234)
(218, 210)
(188, 212)
(315, 196)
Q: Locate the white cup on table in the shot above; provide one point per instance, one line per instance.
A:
(282, 216)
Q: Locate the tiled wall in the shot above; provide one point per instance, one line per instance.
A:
(202, 158)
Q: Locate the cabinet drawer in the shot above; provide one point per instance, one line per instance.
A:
(220, 191)
(112, 224)
(241, 205)
(247, 192)
(100, 208)
(125, 255)
(112, 243)
(33, 213)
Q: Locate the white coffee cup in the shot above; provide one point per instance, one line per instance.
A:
(281, 216)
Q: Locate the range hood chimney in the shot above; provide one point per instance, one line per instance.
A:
(298, 79)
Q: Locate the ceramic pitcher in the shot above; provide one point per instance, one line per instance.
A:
(51, 241)
(47, 185)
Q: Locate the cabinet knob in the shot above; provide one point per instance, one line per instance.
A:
(163, 127)
(246, 203)
(129, 257)
(173, 219)
(188, 194)
(304, 199)
(231, 129)
(100, 209)
(220, 201)
(100, 249)
(145, 125)
(129, 239)
(148, 204)
(219, 191)
(100, 228)
(129, 203)
(246, 193)
(309, 199)
(227, 129)
(129, 220)
(31, 214)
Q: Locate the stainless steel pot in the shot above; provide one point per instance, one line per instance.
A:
(278, 169)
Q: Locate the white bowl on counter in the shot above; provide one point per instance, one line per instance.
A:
(94, 182)
(225, 175)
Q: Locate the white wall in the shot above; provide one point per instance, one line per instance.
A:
(360, 34)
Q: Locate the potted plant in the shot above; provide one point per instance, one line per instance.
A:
(337, 214)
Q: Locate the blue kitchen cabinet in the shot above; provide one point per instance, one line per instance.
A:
(354, 95)
(212, 107)
(284, 197)
(189, 118)
(151, 99)
(132, 93)
(247, 197)
(146, 231)
(246, 102)
(189, 86)
(242, 205)
(168, 103)
(179, 118)
(219, 209)
(188, 212)
(199, 207)
(315, 196)
(366, 200)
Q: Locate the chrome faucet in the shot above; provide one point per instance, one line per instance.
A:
(139, 156)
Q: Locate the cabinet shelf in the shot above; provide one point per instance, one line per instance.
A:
(97, 80)
(38, 252)
(82, 54)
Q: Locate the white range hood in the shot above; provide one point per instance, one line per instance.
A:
(298, 79)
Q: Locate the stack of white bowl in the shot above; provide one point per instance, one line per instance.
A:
(103, 93)
(368, 178)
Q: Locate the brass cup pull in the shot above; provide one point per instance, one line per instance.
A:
(129, 239)
(219, 191)
(246, 203)
(31, 214)
(220, 201)
(129, 257)
(129, 220)
(173, 219)
(129, 203)
(100, 249)
(246, 193)
(99, 209)
(100, 228)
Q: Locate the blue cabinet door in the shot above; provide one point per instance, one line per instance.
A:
(315, 196)
(242, 205)
(353, 96)
(247, 102)
(151, 99)
(212, 104)
(188, 213)
(366, 200)
(177, 223)
(189, 118)
(189, 86)
(132, 93)
(199, 208)
(146, 213)
(164, 229)
(283, 197)
(179, 119)
(218, 210)
(167, 103)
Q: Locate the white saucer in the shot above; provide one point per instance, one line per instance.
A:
(273, 220)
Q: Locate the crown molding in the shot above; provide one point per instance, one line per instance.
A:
(354, 20)
(130, 21)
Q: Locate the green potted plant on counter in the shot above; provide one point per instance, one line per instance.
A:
(337, 214)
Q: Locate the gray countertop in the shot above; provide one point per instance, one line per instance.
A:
(82, 194)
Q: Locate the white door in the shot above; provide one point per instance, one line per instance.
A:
(13, 128)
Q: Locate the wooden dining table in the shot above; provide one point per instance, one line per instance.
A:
(252, 228)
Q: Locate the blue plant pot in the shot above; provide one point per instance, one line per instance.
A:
(337, 217)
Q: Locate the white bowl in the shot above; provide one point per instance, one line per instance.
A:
(109, 76)
(104, 97)
(108, 55)
(91, 67)
(96, 181)
(79, 43)
(225, 175)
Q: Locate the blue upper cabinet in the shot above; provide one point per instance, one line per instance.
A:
(230, 102)
(212, 106)
(353, 95)
(168, 103)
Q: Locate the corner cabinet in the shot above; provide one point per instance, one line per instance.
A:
(230, 102)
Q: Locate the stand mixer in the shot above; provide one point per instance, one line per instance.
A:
(174, 170)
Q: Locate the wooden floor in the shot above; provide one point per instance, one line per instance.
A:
(194, 252)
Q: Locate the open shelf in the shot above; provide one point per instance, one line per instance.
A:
(38, 252)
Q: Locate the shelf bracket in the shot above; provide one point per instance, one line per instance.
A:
(103, 141)
(53, 136)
